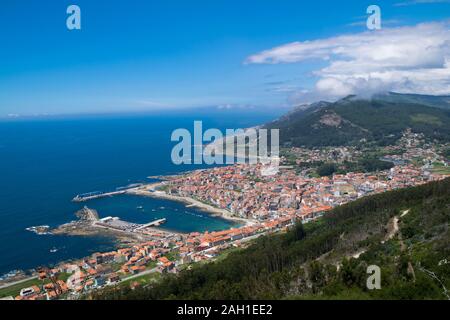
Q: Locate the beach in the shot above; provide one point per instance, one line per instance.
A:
(151, 190)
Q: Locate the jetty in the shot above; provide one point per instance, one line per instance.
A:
(100, 194)
(115, 223)
(95, 195)
(155, 223)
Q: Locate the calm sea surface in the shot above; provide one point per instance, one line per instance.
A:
(44, 163)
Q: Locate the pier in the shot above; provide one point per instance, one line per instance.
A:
(155, 223)
(96, 195)
(99, 194)
(115, 223)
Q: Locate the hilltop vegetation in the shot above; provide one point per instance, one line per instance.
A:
(442, 102)
(363, 165)
(352, 121)
(302, 263)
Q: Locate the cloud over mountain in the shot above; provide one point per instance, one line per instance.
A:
(411, 59)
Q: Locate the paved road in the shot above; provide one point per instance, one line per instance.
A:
(17, 282)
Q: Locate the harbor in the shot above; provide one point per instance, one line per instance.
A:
(154, 190)
(110, 223)
(89, 224)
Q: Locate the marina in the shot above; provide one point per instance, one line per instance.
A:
(89, 224)
(90, 217)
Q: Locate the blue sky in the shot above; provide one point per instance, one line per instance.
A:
(141, 55)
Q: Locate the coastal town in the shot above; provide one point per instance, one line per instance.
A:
(259, 204)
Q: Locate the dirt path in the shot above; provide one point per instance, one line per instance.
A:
(356, 255)
(402, 243)
(392, 229)
(410, 269)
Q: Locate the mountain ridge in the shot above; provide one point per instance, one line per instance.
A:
(354, 120)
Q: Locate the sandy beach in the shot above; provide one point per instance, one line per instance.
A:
(150, 190)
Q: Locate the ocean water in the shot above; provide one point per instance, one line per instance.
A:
(45, 162)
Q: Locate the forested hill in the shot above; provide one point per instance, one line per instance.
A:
(352, 120)
(302, 263)
(442, 102)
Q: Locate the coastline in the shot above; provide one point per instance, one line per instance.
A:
(89, 224)
(150, 190)
(77, 228)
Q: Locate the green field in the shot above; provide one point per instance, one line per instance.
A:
(15, 289)
(426, 118)
(439, 168)
(142, 280)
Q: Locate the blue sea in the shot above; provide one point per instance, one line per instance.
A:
(46, 161)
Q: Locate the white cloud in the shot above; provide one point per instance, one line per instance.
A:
(412, 59)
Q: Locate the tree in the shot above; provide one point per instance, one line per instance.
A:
(327, 169)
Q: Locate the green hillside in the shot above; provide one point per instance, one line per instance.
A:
(302, 264)
(352, 121)
(442, 102)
